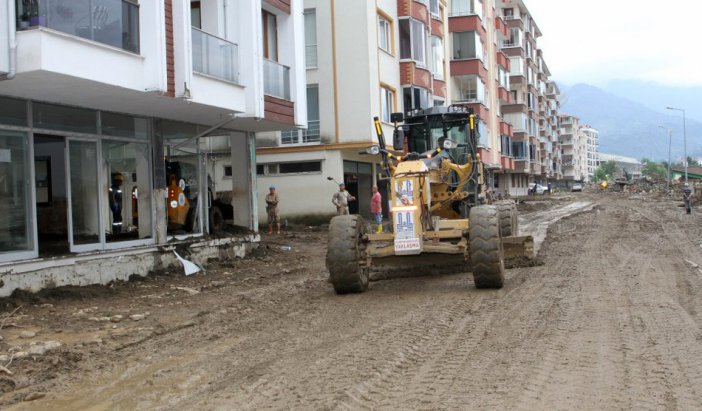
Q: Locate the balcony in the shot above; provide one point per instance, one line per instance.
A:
(311, 135)
(111, 22)
(214, 56)
(276, 79)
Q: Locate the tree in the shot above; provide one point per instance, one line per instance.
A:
(605, 170)
(656, 171)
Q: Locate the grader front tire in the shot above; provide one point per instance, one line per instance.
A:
(347, 272)
(486, 255)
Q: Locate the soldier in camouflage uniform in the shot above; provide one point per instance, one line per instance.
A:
(272, 210)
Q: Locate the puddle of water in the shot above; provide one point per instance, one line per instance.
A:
(536, 224)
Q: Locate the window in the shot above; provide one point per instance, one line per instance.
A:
(483, 134)
(228, 171)
(467, 45)
(469, 89)
(508, 13)
(312, 134)
(387, 97)
(515, 38)
(289, 168)
(506, 145)
(415, 98)
(466, 8)
(437, 53)
(384, 34)
(16, 217)
(519, 149)
(516, 66)
(300, 167)
(195, 14)
(270, 36)
(412, 41)
(434, 8)
(310, 38)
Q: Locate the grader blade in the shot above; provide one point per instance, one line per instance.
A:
(518, 251)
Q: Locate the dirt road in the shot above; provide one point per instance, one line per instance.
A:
(610, 321)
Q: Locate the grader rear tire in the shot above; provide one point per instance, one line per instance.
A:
(486, 255)
(507, 214)
(345, 253)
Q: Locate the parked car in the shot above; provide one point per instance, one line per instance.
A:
(537, 188)
(577, 187)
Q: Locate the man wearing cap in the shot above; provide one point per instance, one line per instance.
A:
(115, 199)
(341, 200)
(272, 209)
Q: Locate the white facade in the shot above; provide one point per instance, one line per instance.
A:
(574, 148)
(353, 55)
(592, 144)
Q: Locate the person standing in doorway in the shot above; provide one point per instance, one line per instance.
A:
(377, 209)
(341, 200)
(272, 210)
(115, 200)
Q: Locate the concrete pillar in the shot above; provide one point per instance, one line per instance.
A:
(244, 190)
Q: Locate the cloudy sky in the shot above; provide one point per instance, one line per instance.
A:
(596, 41)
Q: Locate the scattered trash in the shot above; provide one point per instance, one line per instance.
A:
(694, 265)
(285, 247)
(188, 290)
(189, 266)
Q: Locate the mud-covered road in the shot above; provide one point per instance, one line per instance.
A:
(611, 320)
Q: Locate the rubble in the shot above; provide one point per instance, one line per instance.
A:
(41, 347)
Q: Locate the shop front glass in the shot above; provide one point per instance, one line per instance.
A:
(15, 207)
(184, 174)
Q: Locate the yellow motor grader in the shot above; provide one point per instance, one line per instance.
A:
(438, 206)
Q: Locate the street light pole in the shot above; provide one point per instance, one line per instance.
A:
(670, 143)
(684, 137)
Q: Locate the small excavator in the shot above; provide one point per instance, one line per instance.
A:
(438, 206)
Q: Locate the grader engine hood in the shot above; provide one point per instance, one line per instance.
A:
(410, 194)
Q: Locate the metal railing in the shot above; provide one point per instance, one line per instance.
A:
(311, 56)
(311, 135)
(111, 22)
(214, 56)
(276, 79)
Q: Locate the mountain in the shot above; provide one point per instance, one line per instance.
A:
(657, 96)
(628, 128)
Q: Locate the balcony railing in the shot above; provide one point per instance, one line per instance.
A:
(311, 56)
(214, 56)
(311, 135)
(276, 79)
(111, 22)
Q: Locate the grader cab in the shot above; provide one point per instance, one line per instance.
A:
(438, 206)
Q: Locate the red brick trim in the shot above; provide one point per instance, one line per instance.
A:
(279, 110)
(170, 54)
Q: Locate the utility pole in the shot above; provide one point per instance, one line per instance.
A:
(684, 137)
(670, 143)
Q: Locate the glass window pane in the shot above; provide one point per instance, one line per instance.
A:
(64, 118)
(15, 216)
(312, 103)
(84, 192)
(13, 112)
(129, 192)
(405, 40)
(119, 125)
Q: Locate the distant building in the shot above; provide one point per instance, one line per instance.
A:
(625, 165)
(592, 144)
(693, 173)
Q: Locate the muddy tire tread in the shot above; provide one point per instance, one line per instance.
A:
(486, 256)
(344, 254)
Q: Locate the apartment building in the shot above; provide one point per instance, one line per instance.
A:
(592, 148)
(574, 149)
(364, 58)
(533, 106)
(95, 94)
